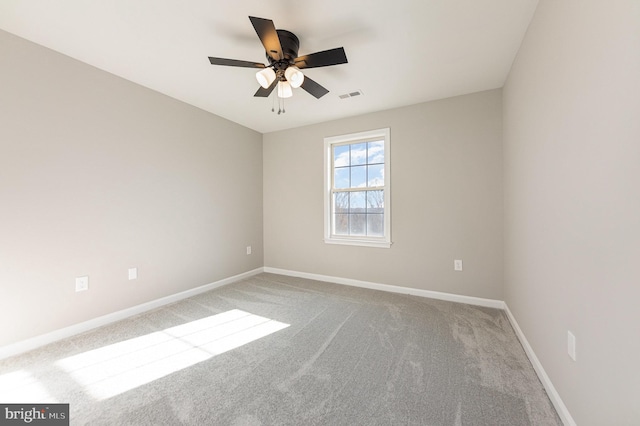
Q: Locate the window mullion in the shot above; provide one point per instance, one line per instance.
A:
(368, 188)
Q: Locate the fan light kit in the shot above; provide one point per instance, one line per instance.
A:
(283, 71)
(294, 76)
(266, 77)
(284, 90)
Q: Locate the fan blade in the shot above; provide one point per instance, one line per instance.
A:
(314, 88)
(268, 36)
(322, 59)
(264, 93)
(235, 63)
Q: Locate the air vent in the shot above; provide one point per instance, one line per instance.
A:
(351, 94)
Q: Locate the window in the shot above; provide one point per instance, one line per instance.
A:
(357, 190)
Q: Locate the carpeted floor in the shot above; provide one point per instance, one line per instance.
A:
(277, 350)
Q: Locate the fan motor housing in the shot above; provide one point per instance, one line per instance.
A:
(290, 45)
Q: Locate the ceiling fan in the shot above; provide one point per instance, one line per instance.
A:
(284, 67)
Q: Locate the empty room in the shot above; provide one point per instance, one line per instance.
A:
(320, 212)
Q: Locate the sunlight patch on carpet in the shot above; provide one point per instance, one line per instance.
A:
(119, 367)
(20, 386)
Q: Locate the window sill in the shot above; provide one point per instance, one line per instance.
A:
(356, 242)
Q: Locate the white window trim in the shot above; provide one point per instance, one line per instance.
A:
(385, 241)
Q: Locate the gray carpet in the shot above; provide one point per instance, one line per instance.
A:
(276, 350)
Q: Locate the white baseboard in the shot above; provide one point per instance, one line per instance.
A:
(562, 410)
(478, 301)
(45, 339)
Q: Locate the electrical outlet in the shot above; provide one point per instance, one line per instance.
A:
(248, 249)
(457, 265)
(571, 345)
(133, 273)
(82, 283)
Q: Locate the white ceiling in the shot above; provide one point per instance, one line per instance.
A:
(400, 52)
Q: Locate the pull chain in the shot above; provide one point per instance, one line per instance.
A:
(281, 109)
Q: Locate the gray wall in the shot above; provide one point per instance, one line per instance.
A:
(446, 180)
(572, 202)
(98, 175)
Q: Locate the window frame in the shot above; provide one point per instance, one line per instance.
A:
(348, 139)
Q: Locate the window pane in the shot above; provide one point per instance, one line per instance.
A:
(357, 202)
(341, 202)
(375, 201)
(358, 177)
(375, 225)
(375, 175)
(340, 155)
(358, 153)
(376, 152)
(358, 224)
(341, 178)
(341, 224)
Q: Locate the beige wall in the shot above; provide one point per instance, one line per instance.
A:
(98, 175)
(446, 179)
(572, 202)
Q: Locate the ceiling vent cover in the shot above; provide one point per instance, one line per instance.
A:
(351, 94)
